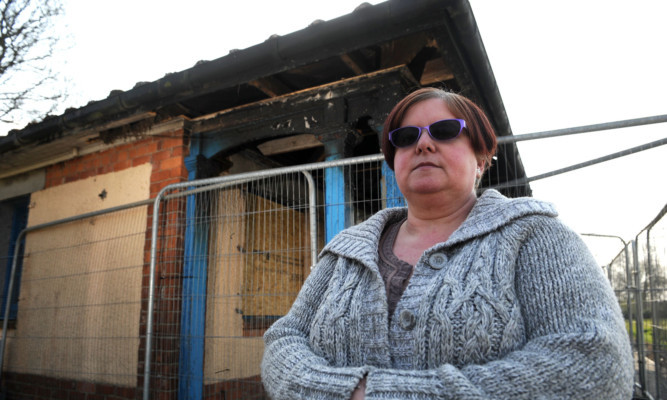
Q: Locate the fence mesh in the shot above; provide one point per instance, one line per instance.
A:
(638, 275)
(253, 244)
(80, 302)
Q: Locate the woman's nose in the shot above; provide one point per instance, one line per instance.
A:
(425, 142)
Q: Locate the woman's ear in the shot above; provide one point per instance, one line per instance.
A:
(481, 164)
(479, 172)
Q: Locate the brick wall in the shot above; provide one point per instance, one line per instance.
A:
(35, 387)
(165, 153)
(245, 389)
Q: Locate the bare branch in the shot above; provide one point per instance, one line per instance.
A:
(27, 42)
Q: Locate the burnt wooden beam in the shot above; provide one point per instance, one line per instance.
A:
(404, 49)
(418, 62)
(436, 71)
(270, 86)
(328, 112)
(352, 64)
(290, 143)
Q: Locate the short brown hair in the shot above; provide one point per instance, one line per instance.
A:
(478, 128)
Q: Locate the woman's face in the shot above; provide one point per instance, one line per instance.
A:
(431, 166)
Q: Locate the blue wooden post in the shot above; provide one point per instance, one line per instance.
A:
(193, 306)
(19, 223)
(336, 210)
(394, 196)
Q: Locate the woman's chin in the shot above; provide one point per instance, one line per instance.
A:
(422, 188)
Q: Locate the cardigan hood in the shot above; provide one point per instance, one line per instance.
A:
(491, 211)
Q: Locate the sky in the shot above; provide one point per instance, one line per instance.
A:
(558, 64)
(572, 63)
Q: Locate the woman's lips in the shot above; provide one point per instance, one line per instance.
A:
(426, 165)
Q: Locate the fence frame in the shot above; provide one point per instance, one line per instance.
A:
(654, 313)
(202, 185)
(17, 250)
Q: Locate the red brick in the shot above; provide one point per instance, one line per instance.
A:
(45, 381)
(160, 175)
(85, 387)
(59, 394)
(137, 151)
(87, 163)
(171, 143)
(56, 167)
(155, 189)
(54, 172)
(105, 389)
(67, 384)
(95, 396)
(103, 159)
(179, 151)
(177, 172)
(164, 396)
(171, 163)
(43, 392)
(94, 161)
(152, 146)
(86, 174)
(53, 182)
(143, 149)
(141, 160)
(127, 392)
(121, 165)
(120, 155)
(78, 167)
(77, 396)
(157, 186)
(25, 388)
(70, 167)
(161, 155)
(184, 172)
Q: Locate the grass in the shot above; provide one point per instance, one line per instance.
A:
(648, 331)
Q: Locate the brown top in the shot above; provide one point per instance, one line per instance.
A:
(395, 272)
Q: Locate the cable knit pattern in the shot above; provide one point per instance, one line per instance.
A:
(511, 306)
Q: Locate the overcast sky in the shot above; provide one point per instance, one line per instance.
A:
(558, 64)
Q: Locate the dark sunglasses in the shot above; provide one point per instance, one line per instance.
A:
(445, 129)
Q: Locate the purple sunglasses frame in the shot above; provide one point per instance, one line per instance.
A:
(428, 129)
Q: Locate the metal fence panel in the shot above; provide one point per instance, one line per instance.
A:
(250, 242)
(646, 306)
(80, 302)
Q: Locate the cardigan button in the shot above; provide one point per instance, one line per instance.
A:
(437, 260)
(407, 320)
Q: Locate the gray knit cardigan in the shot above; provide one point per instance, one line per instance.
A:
(511, 306)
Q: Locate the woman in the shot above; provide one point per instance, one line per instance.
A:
(454, 297)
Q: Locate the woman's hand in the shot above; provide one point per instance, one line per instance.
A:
(360, 391)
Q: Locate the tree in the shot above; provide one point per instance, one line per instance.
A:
(28, 41)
